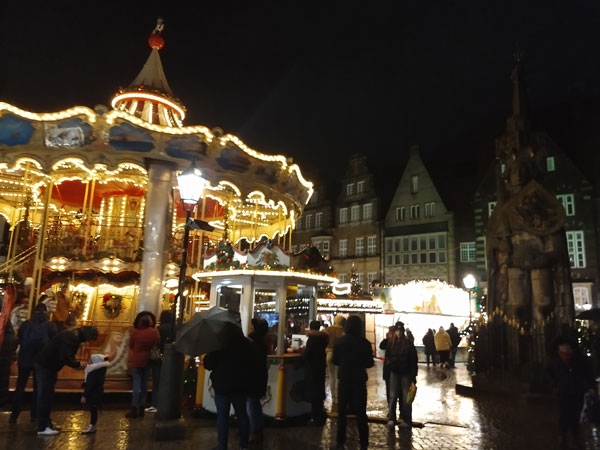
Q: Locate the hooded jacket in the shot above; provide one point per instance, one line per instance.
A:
(61, 350)
(353, 353)
(141, 340)
(34, 334)
(335, 331)
(442, 340)
(95, 374)
(315, 358)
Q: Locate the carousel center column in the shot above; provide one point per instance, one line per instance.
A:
(156, 230)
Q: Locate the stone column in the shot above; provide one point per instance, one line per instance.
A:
(156, 230)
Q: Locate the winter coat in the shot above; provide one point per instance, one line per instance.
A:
(140, 343)
(386, 368)
(429, 343)
(334, 332)
(454, 336)
(95, 375)
(34, 334)
(61, 350)
(316, 364)
(353, 353)
(260, 373)
(164, 329)
(442, 341)
(9, 346)
(573, 378)
(230, 368)
(401, 357)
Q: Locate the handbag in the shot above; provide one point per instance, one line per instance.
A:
(155, 354)
(412, 392)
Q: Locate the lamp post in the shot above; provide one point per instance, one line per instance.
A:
(169, 425)
(469, 282)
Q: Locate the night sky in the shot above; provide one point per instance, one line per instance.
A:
(316, 81)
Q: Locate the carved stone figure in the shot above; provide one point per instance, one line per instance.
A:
(528, 260)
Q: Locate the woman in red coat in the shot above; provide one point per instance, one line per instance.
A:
(142, 339)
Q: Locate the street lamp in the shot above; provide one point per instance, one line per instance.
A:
(170, 426)
(469, 282)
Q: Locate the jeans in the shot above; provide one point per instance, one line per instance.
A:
(399, 385)
(155, 382)
(255, 414)
(140, 386)
(353, 394)
(332, 372)
(46, 380)
(22, 377)
(223, 403)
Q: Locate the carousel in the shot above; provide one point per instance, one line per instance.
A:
(89, 201)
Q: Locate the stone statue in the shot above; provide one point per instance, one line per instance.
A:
(529, 276)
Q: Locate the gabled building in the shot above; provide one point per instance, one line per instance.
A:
(315, 225)
(357, 243)
(418, 230)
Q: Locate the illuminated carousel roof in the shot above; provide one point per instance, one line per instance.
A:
(149, 97)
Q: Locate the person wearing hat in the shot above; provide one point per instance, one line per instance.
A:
(33, 335)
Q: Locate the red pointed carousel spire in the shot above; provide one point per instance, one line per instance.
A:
(149, 97)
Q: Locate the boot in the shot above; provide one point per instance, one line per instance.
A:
(133, 413)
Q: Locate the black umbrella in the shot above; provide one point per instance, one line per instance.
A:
(208, 331)
(590, 314)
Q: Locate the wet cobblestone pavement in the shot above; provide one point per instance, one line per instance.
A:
(450, 422)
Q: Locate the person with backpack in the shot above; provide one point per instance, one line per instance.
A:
(93, 385)
(33, 336)
(164, 331)
(429, 344)
(402, 359)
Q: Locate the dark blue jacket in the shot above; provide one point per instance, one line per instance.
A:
(34, 334)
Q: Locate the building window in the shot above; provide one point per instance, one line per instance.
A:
(360, 279)
(371, 276)
(350, 189)
(389, 260)
(371, 245)
(355, 213)
(415, 211)
(325, 249)
(568, 202)
(416, 249)
(360, 187)
(430, 209)
(360, 246)
(314, 198)
(576, 248)
(309, 221)
(318, 220)
(491, 206)
(414, 184)
(343, 248)
(367, 211)
(299, 223)
(550, 164)
(502, 167)
(343, 215)
(581, 295)
(400, 213)
(467, 251)
(342, 277)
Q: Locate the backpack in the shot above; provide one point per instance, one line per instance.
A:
(35, 337)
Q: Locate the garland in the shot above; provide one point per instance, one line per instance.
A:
(112, 304)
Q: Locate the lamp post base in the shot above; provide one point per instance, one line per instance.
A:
(171, 385)
(169, 430)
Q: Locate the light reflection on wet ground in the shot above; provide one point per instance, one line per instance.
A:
(450, 421)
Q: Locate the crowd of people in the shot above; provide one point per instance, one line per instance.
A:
(441, 347)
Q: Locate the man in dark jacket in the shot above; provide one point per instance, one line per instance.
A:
(259, 376)
(572, 375)
(34, 334)
(455, 340)
(353, 355)
(230, 381)
(7, 356)
(59, 352)
(316, 365)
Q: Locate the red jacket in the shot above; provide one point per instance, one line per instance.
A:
(140, 343)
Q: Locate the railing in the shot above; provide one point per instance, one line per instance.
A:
(18, 260)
